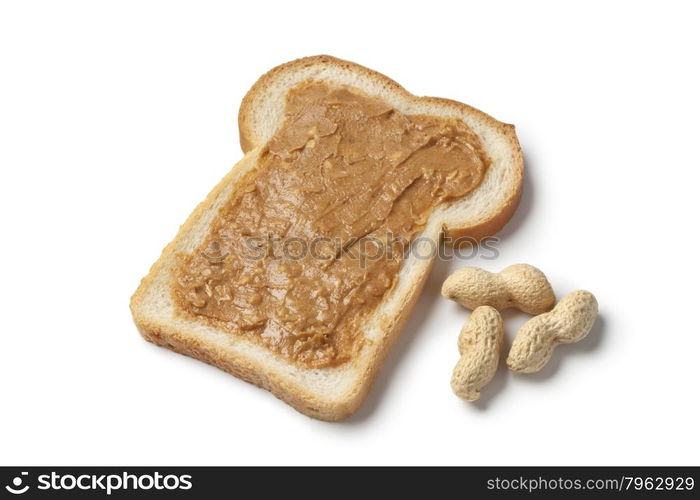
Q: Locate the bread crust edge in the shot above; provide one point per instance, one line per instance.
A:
(242, 367)
(477, 231)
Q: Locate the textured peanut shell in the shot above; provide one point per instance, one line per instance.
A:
(521, 286)
(480, 343)
(570, 321)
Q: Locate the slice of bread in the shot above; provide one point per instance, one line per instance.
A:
(330, 393)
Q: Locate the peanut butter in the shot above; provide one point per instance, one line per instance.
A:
(311, 240)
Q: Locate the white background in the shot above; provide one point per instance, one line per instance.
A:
(116, 118)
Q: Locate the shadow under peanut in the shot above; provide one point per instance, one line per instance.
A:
(431, 294)
(564, 352)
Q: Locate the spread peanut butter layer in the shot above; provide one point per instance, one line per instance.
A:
(312, 239)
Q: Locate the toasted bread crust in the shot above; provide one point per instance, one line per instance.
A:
(249, 140)
(304, 401)
(300, 397)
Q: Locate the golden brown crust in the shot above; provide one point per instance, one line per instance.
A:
(476, 232)
(249, 141)
(499, 220)
(242, 367)
(166, 335)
